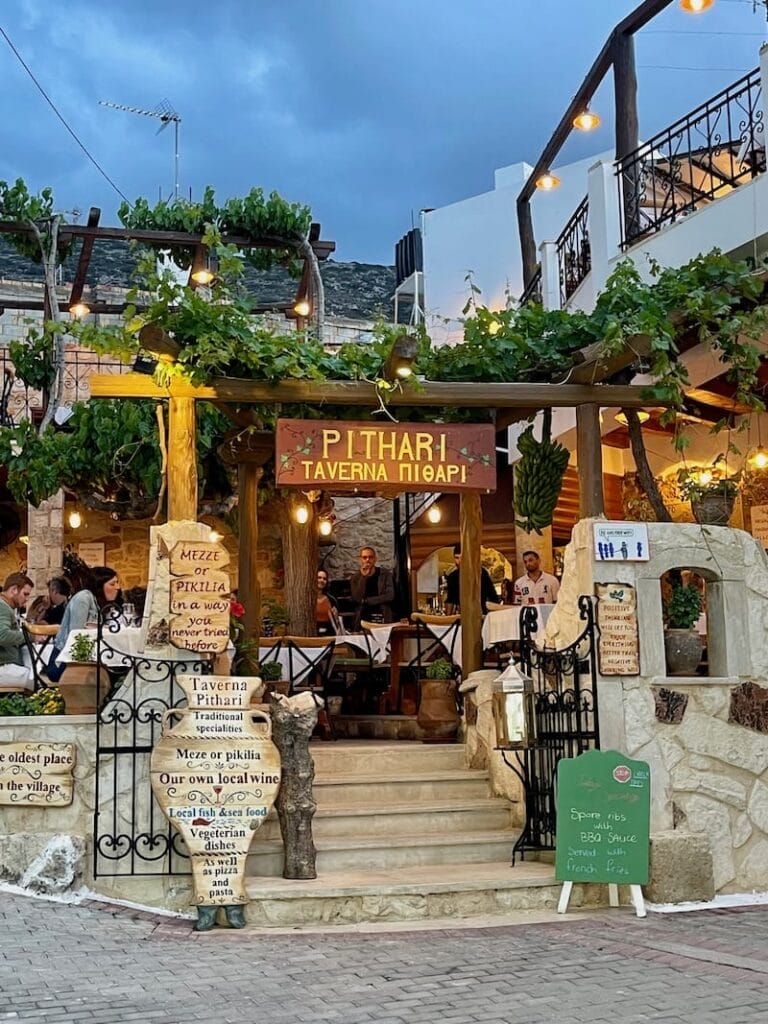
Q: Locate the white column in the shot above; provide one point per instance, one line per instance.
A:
(604, 220)
(550, 275)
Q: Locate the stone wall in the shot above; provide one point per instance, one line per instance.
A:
(361, 522)
(705, 737)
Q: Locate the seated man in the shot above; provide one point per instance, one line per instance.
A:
(15, 594)
(372, 589)
(536, 586)
(453, 586)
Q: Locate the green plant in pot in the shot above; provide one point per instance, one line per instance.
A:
(438, 715)
(711, 492)
(683, 644)
(271, 673)
(276, 615)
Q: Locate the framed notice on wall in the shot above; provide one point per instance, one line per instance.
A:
(621, 542)
(91, 554)
(758, 515)
(618, 645)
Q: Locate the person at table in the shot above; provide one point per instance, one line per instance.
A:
(453, 586)
(326, 614)
(15, 594)
(372, 589)
(48, 610)
(536, 586)
(83, 610)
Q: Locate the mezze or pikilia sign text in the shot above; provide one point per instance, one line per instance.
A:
(215, 773)
(37, 774)
(339, 455)
(618, 647)
(199, 596)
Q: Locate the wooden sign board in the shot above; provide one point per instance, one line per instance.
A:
(603, 819)
(92, 553)
(199, 591)
(37, 774)
(758, 517)
(621, 542)
(215, 773)
(618, 645)
(367, 456)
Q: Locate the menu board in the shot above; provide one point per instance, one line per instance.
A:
(215, 773)
(37, 774)
(759, 521)
(603, 819)
(618, 646)
(199, 596)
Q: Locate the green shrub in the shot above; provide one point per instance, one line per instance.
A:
(683, 607)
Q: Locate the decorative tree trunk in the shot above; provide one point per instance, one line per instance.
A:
(300, 556)
(248, 589)
(471, 532)
(293, 720)
(318, 288)
(644, 473)
(182, 459)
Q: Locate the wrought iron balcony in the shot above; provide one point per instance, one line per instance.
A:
(700, 158)
(574, 259)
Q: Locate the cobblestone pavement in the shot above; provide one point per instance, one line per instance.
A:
(97, 964)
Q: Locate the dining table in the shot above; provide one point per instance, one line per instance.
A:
(503, 624)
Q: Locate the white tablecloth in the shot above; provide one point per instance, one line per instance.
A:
(377, 641)
(127, 641)
(504, 624)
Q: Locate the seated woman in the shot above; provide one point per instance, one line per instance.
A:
(82, 610)
(327, 613)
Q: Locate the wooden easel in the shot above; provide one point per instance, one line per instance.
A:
(635, 892)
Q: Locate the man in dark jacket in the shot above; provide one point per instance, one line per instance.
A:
(372, 589)
(453, 581)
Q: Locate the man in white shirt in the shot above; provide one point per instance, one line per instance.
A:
(535, 587)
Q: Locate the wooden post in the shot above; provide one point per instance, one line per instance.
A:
(527, 240)
(590, 461)
(471, 531)
(627, 127)
(248, 590)
(182, 459)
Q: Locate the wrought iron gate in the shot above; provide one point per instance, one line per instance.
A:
(131, 835)
(565, 688)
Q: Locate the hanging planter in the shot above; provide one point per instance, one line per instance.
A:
(711, 493)
(713, 509)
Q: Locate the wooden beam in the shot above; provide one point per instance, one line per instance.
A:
(248, 589)
(590, 461)
(430, 394)
(85, 258)
(470, 532)
(182, 459)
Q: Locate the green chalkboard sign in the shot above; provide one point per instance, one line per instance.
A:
(603, 819)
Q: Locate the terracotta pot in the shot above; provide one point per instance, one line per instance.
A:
(713, 509)
(438, 716)
(683, 649)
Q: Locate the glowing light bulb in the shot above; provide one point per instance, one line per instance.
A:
(759, 458)
(494, 327)
(705, 477)
(587, 121)
(302, 308)
(326, 527)
(78, 310)
(301, 514)
(75, 520)
(547, 182)
(434, 515)
(696, 6)
(214, 536)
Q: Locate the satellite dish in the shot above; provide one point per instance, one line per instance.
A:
(10, 524)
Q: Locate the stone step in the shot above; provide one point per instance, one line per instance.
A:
(437, 818)
(366, 757)
(373, 791)
(447, 891)
(384, 853)
(378, 727)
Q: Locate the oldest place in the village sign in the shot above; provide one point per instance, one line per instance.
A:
(337, 455)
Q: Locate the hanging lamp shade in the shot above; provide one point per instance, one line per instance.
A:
(696, 6)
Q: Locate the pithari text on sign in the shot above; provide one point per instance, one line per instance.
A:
(199, 596)
(368, 456)
(37, 774)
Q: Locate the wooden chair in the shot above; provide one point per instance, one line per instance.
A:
(370, 678)
(307, 661)
(38, 638)
(429, 647)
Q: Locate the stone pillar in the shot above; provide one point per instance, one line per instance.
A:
(46, 540)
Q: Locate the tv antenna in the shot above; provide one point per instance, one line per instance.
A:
(165, 113)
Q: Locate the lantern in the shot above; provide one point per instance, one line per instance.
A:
(514, 709)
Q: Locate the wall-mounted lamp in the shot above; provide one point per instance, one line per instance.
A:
(434, 514)
(587, 121)
(325, 528)
(621, 417)
(302, 307)
(75, 520)
(696, 6)
(204, 267)
(78, 310)
(514, 709)
(399, 364)
(301, 514)
(547, 182)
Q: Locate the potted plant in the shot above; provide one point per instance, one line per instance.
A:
(275, 617)
(271, 673)
(438, 715)
(682, 643)
(711, 492)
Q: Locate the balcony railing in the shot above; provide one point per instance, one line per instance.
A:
(533, 292)
(700, 158)
(574, 259)
(18, 402)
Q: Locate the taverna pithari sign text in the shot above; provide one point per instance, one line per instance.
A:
(351, 456)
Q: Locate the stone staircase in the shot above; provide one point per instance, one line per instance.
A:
(403, 832)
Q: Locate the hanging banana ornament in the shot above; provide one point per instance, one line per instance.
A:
(538, 478)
